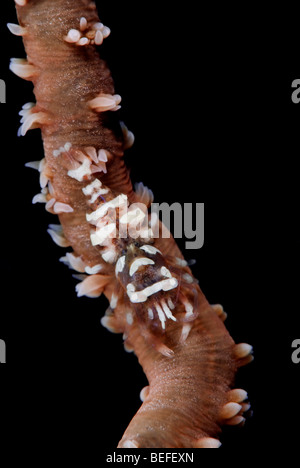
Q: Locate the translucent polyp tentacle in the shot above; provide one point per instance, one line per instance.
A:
(22, 68)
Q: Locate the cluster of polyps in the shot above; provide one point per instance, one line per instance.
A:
(47, 193)
(87, 162)
(85, 36)
(30, 118)
(83, 164)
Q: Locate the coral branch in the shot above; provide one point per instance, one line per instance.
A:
(186, 392)
(181, 342)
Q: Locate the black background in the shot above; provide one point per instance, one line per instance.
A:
(207, 93)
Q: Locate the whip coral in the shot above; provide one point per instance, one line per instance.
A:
(187, 354)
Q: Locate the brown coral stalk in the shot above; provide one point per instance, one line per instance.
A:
(187, 354)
